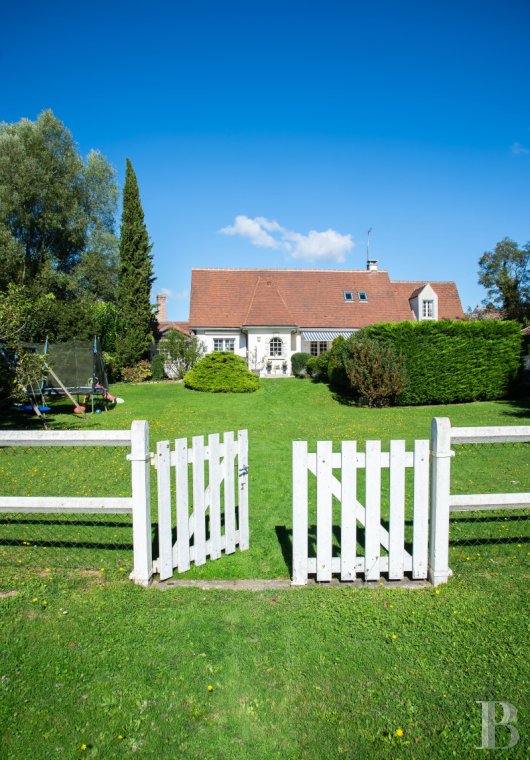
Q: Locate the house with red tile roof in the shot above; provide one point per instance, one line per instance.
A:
(267, 315)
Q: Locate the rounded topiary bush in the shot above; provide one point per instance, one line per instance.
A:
(222, 372)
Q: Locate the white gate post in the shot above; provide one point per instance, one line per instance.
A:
(440, 482)
(141, 496)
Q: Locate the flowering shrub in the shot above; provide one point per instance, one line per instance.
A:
(137, 374)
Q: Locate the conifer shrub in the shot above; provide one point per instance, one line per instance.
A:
(453, 361)
(157, 367)
(222, 372)
(299, 363)
(317, 366)
(336, 371)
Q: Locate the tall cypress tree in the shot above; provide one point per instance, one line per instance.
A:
(135, 277)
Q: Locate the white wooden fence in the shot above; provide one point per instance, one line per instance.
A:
(432, 504)
(138, 504)
(443, 435)
(349, 461)
(193, 544)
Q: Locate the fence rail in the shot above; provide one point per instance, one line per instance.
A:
(138, 504)
(445, 435)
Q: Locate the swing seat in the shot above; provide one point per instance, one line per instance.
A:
(29, 408)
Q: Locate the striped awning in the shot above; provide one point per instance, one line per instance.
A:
(328, 335)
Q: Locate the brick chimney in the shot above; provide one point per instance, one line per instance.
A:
(371, 265)
(161, 301)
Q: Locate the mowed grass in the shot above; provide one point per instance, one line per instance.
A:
(281, 411)
(93, 666)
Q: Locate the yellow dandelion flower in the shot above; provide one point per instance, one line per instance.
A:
(34, 599)
(394, 636)
(121, 569)
(210, 687)
(83, 747)
(120, 737)
(399, 732)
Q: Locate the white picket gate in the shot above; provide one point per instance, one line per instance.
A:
(349, 461)
(194, 543)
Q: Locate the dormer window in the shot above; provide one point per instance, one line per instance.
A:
(427, 309)
(348, 295)
(362, 295)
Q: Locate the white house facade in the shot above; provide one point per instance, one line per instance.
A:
(267, 315)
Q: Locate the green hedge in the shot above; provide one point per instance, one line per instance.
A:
(454, 361)
(221, 372)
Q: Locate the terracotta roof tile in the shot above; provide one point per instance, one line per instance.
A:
(183, 327)
(306, 298)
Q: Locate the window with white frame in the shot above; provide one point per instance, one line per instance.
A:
(318, 347)
(362, 295)
(224, 344)
(275, 347)
(427, 309)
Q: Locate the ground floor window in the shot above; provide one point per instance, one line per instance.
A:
(318, 347)
(275, 347)
(224, 344)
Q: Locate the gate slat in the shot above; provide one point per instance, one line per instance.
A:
(421, 509)
(300, 518)
(199, 540)
(397, 510)
(242, 488)
(185, 521)
(348, 525)
(372, 550)
(165, 542)
(324, 510)
(229, 501)
(215, 473)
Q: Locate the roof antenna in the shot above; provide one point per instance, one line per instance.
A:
(368, 248)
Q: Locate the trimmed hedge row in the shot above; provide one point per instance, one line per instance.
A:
(454, 361)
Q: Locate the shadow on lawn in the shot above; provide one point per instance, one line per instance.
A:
(69, 544)
(519, 409)
(285, 539)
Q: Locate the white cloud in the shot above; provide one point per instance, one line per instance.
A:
(253, 229)
(315, 246)
(173, 295)
(520, 150)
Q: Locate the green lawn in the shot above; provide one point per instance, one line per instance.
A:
(300, 673)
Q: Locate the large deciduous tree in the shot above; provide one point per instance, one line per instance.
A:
(505, 273)
(135, 277)
(57, 212)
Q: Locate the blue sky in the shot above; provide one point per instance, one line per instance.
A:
(410, 118)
